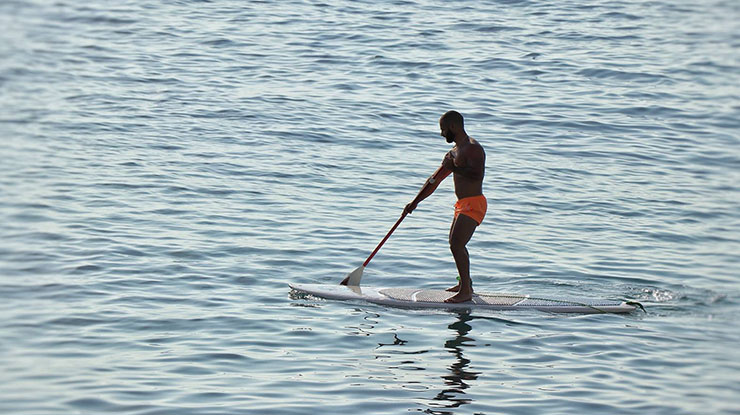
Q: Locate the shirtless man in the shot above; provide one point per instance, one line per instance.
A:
(467, 161)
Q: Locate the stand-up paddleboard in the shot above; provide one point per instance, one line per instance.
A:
(421, 298)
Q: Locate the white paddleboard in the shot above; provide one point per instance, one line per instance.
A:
(423, 298)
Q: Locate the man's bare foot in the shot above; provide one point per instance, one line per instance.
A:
(454, 289)
(461, 296)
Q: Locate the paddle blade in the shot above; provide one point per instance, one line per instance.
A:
(354, 277)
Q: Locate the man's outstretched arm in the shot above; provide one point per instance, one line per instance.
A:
(429, 187)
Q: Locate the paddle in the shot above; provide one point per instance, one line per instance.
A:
(354, 277)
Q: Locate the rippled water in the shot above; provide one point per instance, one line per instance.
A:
(166, 170)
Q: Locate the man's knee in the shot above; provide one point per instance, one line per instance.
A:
(462, 231)
(457, 242)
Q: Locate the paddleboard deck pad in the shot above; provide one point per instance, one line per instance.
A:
(424, 298)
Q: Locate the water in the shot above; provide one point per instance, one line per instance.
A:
(168, 168)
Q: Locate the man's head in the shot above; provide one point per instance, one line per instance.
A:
(451, 124)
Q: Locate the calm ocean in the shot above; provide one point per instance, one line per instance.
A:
(167, 168)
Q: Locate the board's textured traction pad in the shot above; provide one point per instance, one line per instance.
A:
(402, 294)
(499, 299)
(439, 296)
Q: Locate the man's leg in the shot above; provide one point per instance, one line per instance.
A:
(455, 288)
(460, 233)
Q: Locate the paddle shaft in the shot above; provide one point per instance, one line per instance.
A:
(388, 235)
(433, 182)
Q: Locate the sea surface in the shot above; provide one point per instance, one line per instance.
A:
(168, 167)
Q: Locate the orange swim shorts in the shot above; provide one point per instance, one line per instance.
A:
(474, 207)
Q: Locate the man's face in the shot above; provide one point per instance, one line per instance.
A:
(447, 133)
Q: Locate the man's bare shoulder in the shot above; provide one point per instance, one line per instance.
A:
(475, 148)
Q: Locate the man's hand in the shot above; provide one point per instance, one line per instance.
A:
(409, 208)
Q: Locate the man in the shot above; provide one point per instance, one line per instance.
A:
(467, 162)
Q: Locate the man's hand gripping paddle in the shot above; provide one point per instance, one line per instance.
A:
(354, 277)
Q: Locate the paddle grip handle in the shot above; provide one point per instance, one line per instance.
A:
(388, 235)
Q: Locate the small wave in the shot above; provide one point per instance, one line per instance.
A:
(602, 73)
(99, 19)
(619, 15)
(657, 295)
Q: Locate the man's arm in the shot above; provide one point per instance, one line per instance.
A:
(429, 187)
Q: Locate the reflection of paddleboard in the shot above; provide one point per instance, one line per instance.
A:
(419, 298)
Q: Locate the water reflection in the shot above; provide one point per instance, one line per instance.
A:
(456, 382)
